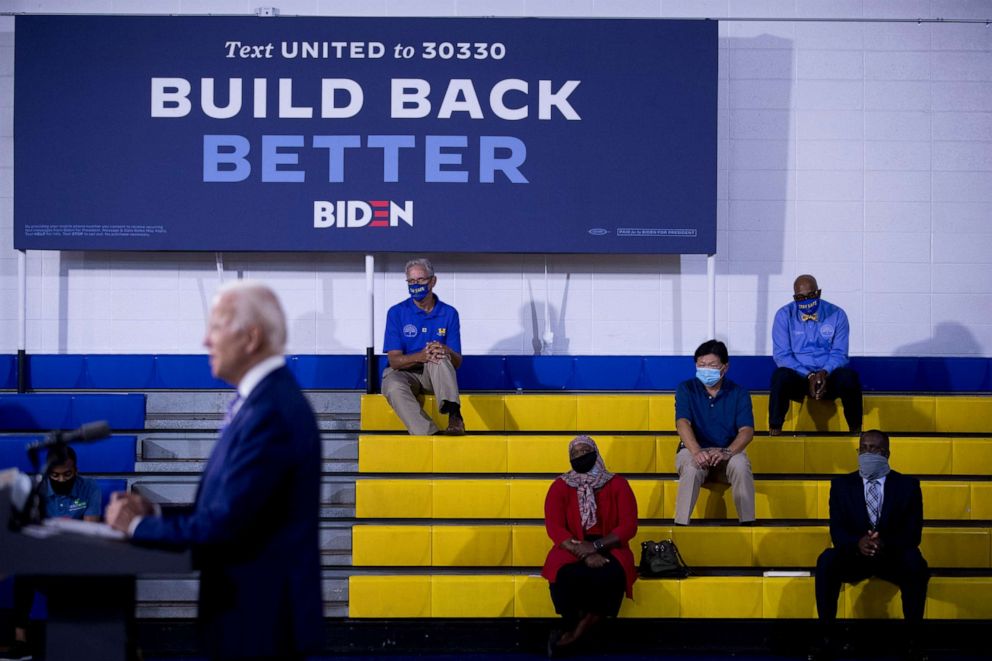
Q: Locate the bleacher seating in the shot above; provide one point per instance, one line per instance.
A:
(452, 527)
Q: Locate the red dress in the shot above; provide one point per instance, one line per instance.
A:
(616, 512)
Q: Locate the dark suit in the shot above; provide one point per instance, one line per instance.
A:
(254, 528)
(900, 526)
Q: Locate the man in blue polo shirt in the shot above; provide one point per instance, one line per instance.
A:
(809, 345)
(423, 343)
(714, 420)
(65, 494)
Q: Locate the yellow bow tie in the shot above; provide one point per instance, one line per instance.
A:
(808, 317)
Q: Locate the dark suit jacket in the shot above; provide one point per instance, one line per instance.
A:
(254, 527)
(900, 523)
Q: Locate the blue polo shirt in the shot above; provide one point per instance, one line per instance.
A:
(409, 329)
(808, 346)
(84, 499)
(715, 420)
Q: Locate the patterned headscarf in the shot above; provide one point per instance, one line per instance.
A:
(587, 483)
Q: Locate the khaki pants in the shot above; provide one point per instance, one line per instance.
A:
(736, 472)
(401, 388)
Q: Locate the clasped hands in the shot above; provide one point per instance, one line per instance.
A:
(587, 553)
(435, 352)
(711, 457)
(870, 544)
(124, 508)
(817, 383)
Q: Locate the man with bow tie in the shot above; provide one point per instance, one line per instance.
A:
(809, 345)
(876, 523)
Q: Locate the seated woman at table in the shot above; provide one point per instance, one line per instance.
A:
(590, 515)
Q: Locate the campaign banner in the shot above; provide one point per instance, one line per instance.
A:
(365, 134)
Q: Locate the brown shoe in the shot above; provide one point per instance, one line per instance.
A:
(456, 427)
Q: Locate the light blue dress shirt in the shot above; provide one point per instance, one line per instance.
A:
(808, 346)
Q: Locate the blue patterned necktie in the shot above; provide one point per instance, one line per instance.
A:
(872, 500)
(232, 409)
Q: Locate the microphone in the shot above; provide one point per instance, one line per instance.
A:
(91, 431)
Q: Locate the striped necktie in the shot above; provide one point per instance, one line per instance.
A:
(232, 410)
(872, 499)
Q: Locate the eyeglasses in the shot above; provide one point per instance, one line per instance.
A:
(417, 281)
(807, 297)
(712, 366)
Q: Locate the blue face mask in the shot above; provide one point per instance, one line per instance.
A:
(710, 376)
(809, 306)
(418, 292)
(873, 466)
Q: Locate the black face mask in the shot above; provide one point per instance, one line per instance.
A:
(584, 462)
(63, 488)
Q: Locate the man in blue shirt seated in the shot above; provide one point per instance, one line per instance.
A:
(65, 494)
(423, 343)
(715, 423)
(809, 340)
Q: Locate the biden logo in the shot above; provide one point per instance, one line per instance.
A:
(360, 213)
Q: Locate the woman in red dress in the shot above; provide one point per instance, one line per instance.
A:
(591, 516)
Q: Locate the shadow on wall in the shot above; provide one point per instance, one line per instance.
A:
(533, 326)
(528, 341)
(949, 339)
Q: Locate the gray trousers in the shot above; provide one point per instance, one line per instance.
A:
(401, 388)
(736, 472)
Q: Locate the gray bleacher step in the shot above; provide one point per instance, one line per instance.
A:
(179, 452)
(170, 597)
(190, 402)
(205, 409)
(191, 445)
(337, 495)
(185, 421)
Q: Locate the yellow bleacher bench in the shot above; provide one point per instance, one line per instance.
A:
(523, 498)
(634, 454)
(526, 545)
(655, 413)
(730, 597)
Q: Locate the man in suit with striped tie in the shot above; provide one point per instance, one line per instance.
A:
(254, 526)
(876, 522)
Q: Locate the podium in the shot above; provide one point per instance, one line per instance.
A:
(89, 582)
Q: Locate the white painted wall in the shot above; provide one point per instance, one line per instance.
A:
(855, 149)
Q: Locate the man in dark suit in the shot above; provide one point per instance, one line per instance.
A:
(876, 522)
(253, 527)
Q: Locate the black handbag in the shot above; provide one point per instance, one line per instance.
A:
(662, 560)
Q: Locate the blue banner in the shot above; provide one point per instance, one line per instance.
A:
(365, 134)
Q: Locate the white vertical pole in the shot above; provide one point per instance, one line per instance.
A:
(372, 372)
(219, 258)
(711, 296)
(370, 293)
(22, 319)
(22, 299)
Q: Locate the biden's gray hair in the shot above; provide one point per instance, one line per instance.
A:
(256, 304)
